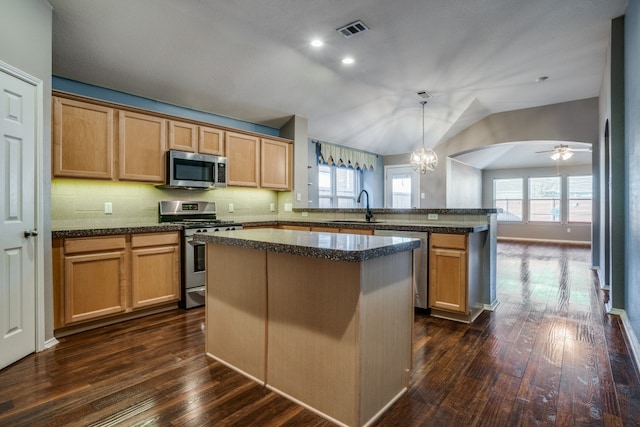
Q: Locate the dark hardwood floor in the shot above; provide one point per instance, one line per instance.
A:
(548, 355)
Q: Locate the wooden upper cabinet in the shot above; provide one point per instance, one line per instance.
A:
(243, 156)
(142, 146)
(183, 136)
(275, 166)
(82, 140)
(211, 141)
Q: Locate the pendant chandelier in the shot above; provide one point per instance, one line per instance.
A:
(424, 160)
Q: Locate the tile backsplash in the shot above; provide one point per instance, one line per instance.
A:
(80, 203)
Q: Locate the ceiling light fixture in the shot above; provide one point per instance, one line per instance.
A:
(348, 60)
(317, 43)
(424, 160)
(565, 155)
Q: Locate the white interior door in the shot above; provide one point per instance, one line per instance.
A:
(401, 188)
(18, 207)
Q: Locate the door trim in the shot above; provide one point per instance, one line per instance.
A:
(39, 200)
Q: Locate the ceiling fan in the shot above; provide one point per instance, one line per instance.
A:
(563, 152)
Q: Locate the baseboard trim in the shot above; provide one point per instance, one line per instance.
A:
(50, 343)
(632, 338)
(492, 306)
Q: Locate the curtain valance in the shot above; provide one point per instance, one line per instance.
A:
(334, 155)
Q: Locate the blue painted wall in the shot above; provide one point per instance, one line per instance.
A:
(78, 88)
(632, 159)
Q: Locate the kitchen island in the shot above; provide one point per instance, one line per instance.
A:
(324, 319)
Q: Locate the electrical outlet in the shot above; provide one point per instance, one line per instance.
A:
(230, 207)
(568, 229)
(298, 197)
(432, 216)
(272, 207)
(288, 207)
(422, 196)
(305, 213)
(108, 208)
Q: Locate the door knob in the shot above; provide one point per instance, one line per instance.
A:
(30, 233)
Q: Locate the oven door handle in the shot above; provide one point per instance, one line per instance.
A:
(195, 243)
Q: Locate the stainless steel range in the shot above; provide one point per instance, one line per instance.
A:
(195, 217)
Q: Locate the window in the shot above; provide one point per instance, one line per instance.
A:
(580, 194)
(401, 187)
(337, 187)
(507, 194)
(544, 199)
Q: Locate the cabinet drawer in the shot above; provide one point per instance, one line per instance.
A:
(446, 240)
(94, 244)
(151, 239)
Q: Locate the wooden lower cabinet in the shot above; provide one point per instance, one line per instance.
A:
(94, 278)
(155, 269)
(104, 277)
(455, 277)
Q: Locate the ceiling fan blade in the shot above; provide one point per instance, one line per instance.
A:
(545, 151)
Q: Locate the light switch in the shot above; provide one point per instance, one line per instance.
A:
(108, 208)
(298, 197)
(230, 207)
(432, 216)
(272, 207)
(288, 207)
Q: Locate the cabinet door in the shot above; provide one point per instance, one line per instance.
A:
(448, 279)
(275, 166)
(82, 140)
(143, 140)
(211, 141)
(155, 270)
(183, 136)
(243, 153)
(94, 285)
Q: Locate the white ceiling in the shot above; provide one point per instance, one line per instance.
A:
(252, 60)
(526, 154)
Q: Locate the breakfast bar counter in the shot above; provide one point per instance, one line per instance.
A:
(324, 319)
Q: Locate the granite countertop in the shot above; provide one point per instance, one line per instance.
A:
(109, 231)
(333, 246)
(433, 227)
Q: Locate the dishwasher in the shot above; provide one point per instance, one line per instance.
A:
(420, 264)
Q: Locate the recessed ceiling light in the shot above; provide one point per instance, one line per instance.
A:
(542, 79)
(317, 43)
(348, 60)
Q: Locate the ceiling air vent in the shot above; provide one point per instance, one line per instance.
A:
(352, 29)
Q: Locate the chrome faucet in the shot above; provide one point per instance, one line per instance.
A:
(368, 215)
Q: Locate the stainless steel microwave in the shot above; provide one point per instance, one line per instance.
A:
(197, 171)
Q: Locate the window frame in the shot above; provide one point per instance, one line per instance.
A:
(558, 202)
(569, 199)
(334, 197)
(522, 195)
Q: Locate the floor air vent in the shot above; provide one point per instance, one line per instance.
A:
(352, 29)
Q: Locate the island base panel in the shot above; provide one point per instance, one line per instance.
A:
(236, 308)
(344, 347)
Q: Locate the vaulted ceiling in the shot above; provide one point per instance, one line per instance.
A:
(252, 60)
